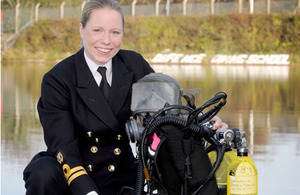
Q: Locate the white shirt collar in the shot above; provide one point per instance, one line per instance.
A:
(93, 68)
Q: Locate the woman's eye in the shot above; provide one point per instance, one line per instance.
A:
(97, 30)
(116, 33)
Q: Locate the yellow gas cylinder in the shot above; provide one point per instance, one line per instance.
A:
(221, 172)
(242, 175)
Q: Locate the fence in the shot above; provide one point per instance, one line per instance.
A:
(17, 19)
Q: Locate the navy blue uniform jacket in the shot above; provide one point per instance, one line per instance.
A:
(82, 129)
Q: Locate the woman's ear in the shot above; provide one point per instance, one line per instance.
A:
(81, 30)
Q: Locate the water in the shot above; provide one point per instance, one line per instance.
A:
(262, 100)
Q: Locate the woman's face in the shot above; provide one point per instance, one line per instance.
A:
(102, 35)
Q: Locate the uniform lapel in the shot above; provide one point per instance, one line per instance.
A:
(121, 84)
(90, 93)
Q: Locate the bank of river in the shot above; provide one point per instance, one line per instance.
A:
(232, 34)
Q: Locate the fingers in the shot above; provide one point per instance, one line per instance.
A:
(222, 126)
(219, 124)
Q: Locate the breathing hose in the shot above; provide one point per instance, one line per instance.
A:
(140, 178)
(194, 115)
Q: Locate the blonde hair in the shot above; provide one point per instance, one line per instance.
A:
(99, 4)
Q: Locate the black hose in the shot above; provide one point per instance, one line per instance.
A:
(140, 178)
(194, 115)
(166, 108)
(202, 131)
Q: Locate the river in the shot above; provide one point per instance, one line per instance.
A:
(262, 100)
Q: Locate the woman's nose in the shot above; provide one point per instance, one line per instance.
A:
(105, 38)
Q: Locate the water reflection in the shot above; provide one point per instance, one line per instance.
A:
(262, 100)
(280, 73)
(21, 133)
(255, 72)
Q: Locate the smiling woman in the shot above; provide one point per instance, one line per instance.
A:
(87, 148)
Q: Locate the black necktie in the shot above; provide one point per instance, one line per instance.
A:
(104, 86)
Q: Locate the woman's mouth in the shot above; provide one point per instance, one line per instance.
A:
(103, 50)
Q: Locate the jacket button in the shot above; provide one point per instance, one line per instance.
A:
(119, 137)
(117, 151)
(111, 168)
(60, 158)
(90, 168)
(94, 149)
(89, 134)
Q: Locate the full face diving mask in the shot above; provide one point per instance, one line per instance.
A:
(153, 92)
(150, 94)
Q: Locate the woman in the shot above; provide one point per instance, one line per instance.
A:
(83, 122)
(83, 130)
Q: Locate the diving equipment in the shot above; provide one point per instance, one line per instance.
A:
(170, 138)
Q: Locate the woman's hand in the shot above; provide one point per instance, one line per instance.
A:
(218, 123)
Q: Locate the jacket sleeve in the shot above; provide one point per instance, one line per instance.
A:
(59, 132)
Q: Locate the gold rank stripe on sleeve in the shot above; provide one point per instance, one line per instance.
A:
(71, 174)
(75, 175)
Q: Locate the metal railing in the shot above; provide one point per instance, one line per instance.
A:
(17, 19)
